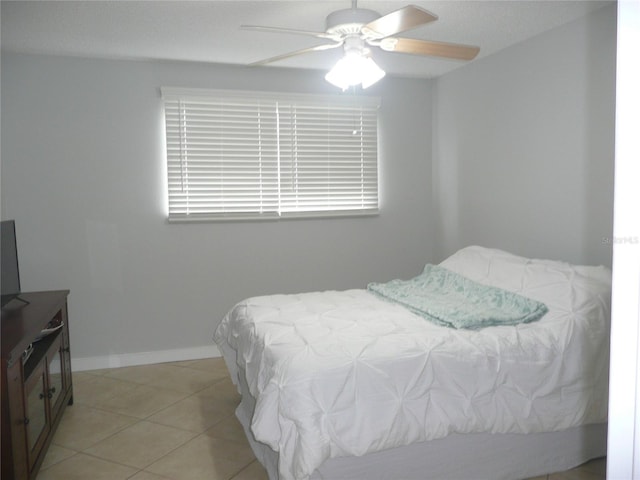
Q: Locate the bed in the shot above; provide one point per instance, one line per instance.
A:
(347, 384)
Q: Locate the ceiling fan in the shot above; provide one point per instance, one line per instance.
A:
(355, 29)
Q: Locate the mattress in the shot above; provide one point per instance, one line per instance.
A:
(339, 374)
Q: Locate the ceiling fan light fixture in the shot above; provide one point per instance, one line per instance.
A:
(354, 68)
(357, 29)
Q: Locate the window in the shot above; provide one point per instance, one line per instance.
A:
(235, 155)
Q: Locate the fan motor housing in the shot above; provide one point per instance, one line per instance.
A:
(350, 20)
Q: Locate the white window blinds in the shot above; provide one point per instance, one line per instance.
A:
(234, 155)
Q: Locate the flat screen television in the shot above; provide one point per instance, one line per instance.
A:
(9, 256)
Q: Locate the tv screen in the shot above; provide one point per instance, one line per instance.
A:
(10, 273)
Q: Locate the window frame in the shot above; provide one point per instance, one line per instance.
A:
(368, 107)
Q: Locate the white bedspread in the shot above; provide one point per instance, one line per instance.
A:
(346, 373)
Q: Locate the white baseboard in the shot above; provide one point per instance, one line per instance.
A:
(143, 358)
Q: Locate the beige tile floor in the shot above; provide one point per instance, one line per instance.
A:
(169, 421)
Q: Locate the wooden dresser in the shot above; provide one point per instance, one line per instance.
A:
(36, 379)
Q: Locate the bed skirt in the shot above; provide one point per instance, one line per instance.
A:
(456, 457)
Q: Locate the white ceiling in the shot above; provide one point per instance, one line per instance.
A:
(208, 31)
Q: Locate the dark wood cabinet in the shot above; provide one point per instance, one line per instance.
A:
(35, 390)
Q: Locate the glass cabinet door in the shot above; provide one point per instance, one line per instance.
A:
(36, 411)
(56, 382)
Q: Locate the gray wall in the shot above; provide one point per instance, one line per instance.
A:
(524, 146)
(83, 175)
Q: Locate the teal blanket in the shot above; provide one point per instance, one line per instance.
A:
(449, 299)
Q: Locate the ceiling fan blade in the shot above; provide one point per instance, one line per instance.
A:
(261, 28)
(425, 47)
(317, 48)
(399, 21)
